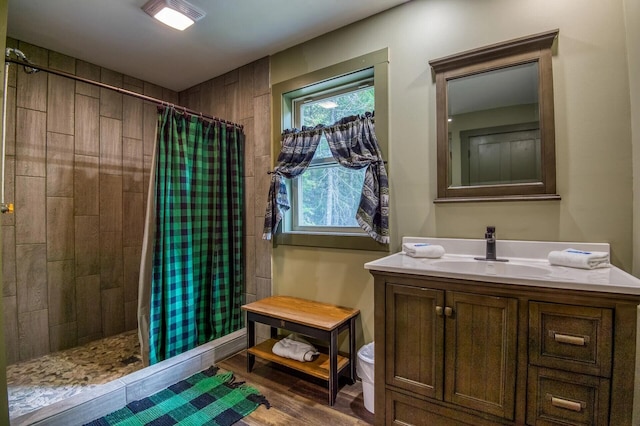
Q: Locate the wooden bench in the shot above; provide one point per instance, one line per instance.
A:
(314, 319)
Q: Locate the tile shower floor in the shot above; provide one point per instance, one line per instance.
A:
(42, 381)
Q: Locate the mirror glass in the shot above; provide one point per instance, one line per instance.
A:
(495, 122)
(493, 125)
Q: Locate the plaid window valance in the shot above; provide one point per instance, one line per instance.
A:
(354, 145)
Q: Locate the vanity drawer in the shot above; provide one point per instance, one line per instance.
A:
(572, 338)
(557, 397)
(406, 410)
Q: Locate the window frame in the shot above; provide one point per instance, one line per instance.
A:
(374, 65)
(293, 184)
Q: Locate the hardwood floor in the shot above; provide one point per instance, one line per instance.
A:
(297, 399)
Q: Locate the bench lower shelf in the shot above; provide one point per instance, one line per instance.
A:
(319, 367)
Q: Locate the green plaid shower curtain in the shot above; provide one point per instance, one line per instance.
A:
(198, 265)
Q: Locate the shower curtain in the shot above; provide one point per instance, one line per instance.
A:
(192, 270)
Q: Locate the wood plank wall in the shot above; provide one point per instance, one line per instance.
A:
(77, 165)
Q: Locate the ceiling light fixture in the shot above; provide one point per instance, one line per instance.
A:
(177, 14)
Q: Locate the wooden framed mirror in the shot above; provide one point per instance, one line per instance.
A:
(495, 122)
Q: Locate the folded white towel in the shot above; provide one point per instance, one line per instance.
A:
(579, 259)
(423, 250)
(295, 347)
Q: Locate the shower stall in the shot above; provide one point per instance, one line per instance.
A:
(76, 168)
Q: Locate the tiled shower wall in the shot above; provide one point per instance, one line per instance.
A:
(77, 170)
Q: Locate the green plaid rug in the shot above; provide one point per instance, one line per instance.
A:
(203, 399)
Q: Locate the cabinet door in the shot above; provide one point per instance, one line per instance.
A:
(481, 344)
(414, 334)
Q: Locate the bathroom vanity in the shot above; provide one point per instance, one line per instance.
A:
(461, 341)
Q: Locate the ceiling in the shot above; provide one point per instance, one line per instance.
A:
(118, 35)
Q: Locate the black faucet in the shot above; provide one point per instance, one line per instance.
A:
(490, 237)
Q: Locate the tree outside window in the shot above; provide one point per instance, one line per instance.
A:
(327, 195)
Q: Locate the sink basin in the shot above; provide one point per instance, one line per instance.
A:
(472, 266)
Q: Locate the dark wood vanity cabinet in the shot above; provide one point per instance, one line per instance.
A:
(452, 346)
(455, 352)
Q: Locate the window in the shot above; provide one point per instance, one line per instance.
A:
(325, 198)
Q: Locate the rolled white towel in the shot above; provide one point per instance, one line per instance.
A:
(295, 347)
(423, 250)
(579, 259)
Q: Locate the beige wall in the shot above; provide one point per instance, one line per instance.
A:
(632, 21)
(593, 133)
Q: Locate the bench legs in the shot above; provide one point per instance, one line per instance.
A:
(333, 353)
(251, 342)
(333, 366)
(352, 350)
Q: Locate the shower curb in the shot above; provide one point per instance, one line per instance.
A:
(104, 399)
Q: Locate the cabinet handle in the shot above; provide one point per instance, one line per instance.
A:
(439, 311)
(566, 404)
(448, 311)
(570, 340)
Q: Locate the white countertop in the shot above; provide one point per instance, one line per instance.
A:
(528, 265)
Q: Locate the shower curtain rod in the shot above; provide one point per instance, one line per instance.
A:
(120, 90)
